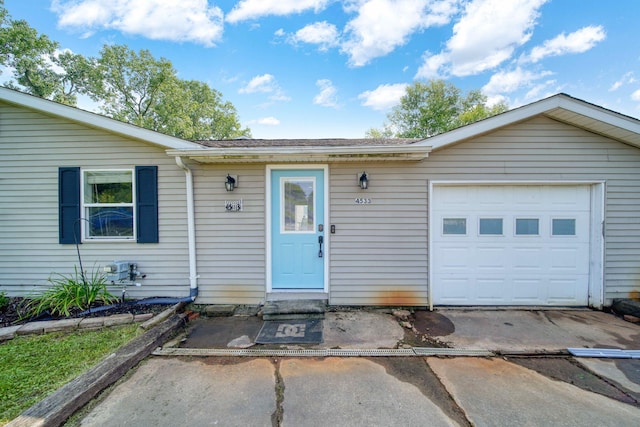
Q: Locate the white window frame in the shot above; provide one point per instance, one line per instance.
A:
(85, 206)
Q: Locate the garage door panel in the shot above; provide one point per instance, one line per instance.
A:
(567, 260)
(528, 259)
(528, 291)
(539, 265)
(453, 259)
(490, 259)
(568, 291)
(493, 290)
(454, 290)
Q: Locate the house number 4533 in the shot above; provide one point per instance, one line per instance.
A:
(360, 201)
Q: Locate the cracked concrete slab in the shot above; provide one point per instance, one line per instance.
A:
(353, 392)
(536, 331)
(495, 392)
(361, 329)
(177, 392)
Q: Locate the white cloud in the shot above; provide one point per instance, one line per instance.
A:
(321, 33)
(576, 42)
(328, 94)
(511, 81)
(267, 121)
(382, 25)
(252, 9)
(174, 20)
(485, 36)
(262, 83)
(489, 32)
(627, 78)
(635, 96)
(265, 83)
(384, 96)
(432, 66)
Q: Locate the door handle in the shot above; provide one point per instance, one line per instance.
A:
(320, 242)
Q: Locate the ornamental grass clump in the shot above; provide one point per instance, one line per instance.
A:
(75, 292)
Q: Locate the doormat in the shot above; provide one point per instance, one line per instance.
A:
(299, 331)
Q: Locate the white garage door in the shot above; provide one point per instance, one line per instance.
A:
(510, 245)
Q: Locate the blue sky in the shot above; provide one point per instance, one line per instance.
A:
(325, 68)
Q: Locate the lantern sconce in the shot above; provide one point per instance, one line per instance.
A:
(231, 183)
(363, 180)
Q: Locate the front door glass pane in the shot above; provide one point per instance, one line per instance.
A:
(298, 203)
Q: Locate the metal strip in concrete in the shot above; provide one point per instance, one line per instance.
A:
(400, 352)
(610, 353)
(426, 351)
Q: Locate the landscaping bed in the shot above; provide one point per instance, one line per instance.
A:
(12, 313)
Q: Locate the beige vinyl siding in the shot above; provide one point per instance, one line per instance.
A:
(542, 149)
(230, 245)
(32, 148)
(378, 255)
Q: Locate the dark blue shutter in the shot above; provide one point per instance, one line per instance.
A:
(69, 205)
(147, 204)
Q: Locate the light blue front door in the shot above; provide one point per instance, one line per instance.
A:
(297, 217)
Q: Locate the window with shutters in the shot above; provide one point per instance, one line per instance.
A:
(108, 204)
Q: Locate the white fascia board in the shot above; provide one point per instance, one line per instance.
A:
(94, 120)
(304, 153)
(536, 108)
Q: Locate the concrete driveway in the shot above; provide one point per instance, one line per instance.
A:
(351, 392)
(525, 386)
(526, 378)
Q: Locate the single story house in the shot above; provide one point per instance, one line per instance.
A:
(538, 206)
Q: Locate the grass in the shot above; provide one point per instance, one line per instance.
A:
(32, 367)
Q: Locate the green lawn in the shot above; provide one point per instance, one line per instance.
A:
(32, 367)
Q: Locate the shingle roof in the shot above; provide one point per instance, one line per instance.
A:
(335, 142)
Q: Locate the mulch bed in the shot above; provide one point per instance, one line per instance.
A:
(10, 314)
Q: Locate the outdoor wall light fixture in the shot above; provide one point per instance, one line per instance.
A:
(363, 181)
(231, 183)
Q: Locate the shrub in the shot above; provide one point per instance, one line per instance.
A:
(70, 293)
(4, 300)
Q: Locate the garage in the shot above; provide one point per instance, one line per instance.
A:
(517, 245)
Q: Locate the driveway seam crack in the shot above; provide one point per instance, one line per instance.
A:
(278, 413)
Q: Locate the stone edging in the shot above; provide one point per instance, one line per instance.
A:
(90, 323)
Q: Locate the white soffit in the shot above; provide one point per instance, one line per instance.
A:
(358, 153)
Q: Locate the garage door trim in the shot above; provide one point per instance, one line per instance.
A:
(596, 250)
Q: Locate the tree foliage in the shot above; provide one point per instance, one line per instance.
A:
(129, 86)
(428, 109)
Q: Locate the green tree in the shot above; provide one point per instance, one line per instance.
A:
(128, 86)
(428, 109)
(192, 110)
(139, 89)
(39, 68)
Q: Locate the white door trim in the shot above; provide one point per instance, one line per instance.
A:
(596, 252)
(327, 252)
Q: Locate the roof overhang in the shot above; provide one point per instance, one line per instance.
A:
(306, 154)
(93, 120)
(560, 107)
